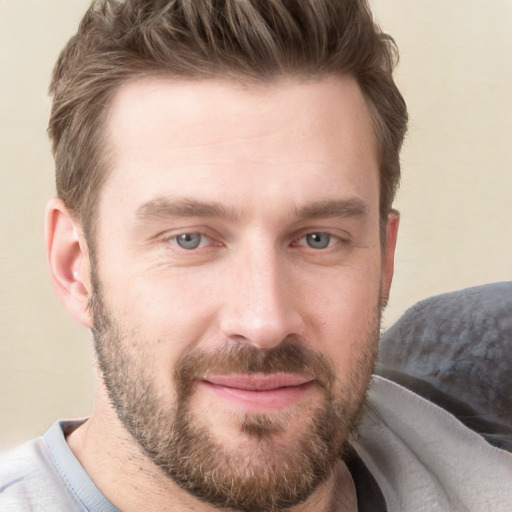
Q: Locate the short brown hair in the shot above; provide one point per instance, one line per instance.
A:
(248, 40)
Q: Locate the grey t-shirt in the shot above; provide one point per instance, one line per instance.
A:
(43, 475)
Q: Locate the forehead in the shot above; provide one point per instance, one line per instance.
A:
(241, 144)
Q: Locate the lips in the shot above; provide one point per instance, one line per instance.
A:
(259, 392)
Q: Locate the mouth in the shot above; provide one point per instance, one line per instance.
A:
(259, 393)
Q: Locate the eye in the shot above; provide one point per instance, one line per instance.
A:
(318, 240)
(190, 241)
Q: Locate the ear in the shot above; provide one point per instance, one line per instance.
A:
(68, 261)
(388, 255)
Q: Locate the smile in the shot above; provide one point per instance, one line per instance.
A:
(259, 393)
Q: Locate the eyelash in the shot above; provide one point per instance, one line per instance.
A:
(174, 240)
(333, 241)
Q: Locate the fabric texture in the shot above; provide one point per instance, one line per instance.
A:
(422, 458)
(43, 475)
(425, 460)
(455, 349)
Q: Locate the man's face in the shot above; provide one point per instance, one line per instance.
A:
(238, 280)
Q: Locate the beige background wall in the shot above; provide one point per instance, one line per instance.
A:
(456, 195)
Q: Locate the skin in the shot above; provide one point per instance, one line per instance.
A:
(271, 156)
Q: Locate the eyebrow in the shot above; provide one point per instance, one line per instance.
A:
(344, 208)
(163, 207)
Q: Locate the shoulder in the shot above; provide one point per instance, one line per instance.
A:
(405, 439)
(23, 475)
(29, 480)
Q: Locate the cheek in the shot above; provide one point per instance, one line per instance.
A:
(345, 314)
(158, 317)
(164, 298)
(168, 315)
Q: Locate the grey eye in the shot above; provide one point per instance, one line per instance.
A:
(318, 240)
(189, 240)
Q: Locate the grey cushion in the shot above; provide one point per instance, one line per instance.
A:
(456, 350)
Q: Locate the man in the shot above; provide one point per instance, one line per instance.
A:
(224, 226)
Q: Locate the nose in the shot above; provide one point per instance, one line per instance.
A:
(261, 301)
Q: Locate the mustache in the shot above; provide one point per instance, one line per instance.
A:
(291, 356)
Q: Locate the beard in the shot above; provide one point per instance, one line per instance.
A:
(263, 472)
